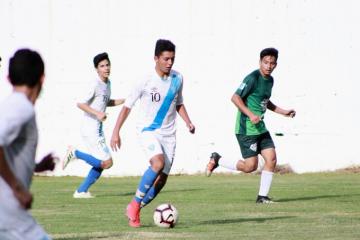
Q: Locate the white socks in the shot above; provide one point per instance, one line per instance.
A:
(229, 164)
(265, 182)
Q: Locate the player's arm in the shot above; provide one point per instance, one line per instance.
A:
(115, 142)
(287, 113)
(101, 116)
(115, 102)
(184, 115)
(239, 103)
(20, 192)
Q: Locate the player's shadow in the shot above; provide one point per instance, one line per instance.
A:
(112, 194)
(182, 190)
(241, 220)
(309, 198)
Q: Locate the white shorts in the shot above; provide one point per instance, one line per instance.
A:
(155, 144)
(16, 223)
(97, 147)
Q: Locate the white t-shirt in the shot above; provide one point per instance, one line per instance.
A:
(158, 100)
(18, 138)
(97, 97)
(19, 135)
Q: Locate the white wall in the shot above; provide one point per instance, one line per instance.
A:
(218, 43)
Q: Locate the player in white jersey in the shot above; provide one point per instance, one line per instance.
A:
(94, 104)
(18, 142)
(160, 94)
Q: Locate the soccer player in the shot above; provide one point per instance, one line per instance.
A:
(18, 142)
(160, 94)
(252, 99)
(94, 105)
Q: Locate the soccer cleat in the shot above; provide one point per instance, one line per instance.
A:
(213, 163)
(133, 214)
(263, 199)
(82, 195)
(70, 156)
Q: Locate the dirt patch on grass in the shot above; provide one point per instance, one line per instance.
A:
(351, 169)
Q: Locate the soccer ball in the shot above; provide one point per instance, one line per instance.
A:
(166, 215)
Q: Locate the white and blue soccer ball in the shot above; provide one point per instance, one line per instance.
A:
(166, 215)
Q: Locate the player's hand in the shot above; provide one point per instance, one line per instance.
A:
(23, 196)
(47, 163)
(290, 113)
(255, 119)
(191, 128)
(115, 142)
(101, 116)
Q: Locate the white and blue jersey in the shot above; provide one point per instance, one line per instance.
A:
(158, 100)
(97, 97)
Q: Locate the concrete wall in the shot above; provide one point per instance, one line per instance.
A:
(218, 43)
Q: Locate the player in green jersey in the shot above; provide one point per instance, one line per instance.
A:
(252, 99)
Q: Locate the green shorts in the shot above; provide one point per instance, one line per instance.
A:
(252, 145)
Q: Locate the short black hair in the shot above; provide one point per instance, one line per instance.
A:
(163, 45)
(26, 67)
(269, 52)
(98, 58)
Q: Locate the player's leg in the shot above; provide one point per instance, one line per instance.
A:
(249, 150)
(91, 178)
(269, 154)
(168, 144)
(154, 151)
(100, 155)
(155, 189)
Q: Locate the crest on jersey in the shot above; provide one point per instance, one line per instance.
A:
(253, 147)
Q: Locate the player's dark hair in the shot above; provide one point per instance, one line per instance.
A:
(269, 52)
(26, 67)
(163, 45)
(98, 58)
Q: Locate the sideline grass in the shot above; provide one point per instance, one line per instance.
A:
(310, 206)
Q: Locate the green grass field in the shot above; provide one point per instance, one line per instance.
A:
(309, 206)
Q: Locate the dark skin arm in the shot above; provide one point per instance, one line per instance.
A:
(20, 192)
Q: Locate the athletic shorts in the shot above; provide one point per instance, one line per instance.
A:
(16, 223)
(96, 146)
(252, 145)
(154, 144)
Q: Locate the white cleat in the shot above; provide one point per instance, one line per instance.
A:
(70, 156)
(82, 195)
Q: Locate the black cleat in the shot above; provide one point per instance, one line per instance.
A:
(263, 199)
(213, 163)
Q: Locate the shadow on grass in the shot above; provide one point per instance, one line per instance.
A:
(309, 198)
(182, 190)
(240, 220)
(112, 194)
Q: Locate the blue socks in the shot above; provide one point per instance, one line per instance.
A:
(91, 178)
(88, 159)
(145, 184)
(150, 195)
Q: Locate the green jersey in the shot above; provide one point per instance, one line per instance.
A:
(255, 91)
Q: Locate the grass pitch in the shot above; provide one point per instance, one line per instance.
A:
(309, 206)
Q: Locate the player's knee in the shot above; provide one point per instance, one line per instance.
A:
(250, 167)
(157, 163)
(107, 164)
(158, 166)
